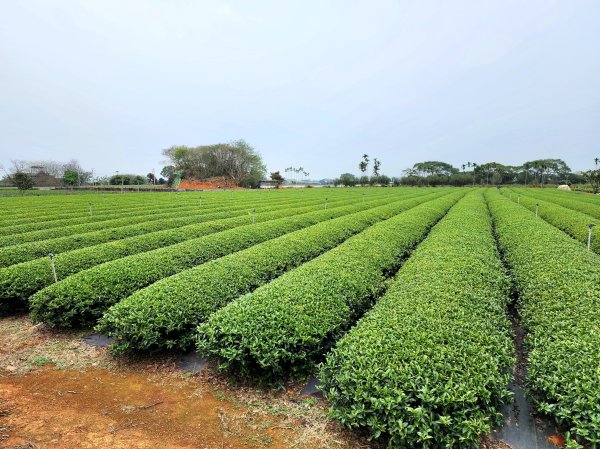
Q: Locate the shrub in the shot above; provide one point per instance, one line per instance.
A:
(82, 298)
(284, 326)
(123, 228)
(571, 202)
(428, 366)
(166, 313)
(559, 301)
(568, 220)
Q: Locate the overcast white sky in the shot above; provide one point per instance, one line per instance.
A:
(310, 83)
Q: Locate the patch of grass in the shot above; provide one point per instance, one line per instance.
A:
(41, 360)
(309, 401)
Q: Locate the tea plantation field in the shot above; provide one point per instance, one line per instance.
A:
(400, 300)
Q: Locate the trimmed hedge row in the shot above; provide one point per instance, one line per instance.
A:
(140, 217)
(165, 314)
(115, 206)
(82, 298)
(559, 293)
(30, 216)
(41, 223)
(593, 210)
(569, 221)
(210, 202)
(283, 327)
(18, 282)
(429, 365)
(575, 196)
(10, 255)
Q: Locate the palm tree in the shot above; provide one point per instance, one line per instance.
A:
(596, 160)
(463, 167)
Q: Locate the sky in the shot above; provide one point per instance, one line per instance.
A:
(307, 83)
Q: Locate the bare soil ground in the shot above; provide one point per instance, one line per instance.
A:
(57, 392)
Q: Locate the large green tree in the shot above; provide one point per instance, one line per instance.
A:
(429, 168)
(236, 160)
(70, 177)
(545, 170)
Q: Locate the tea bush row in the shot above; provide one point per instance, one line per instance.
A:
(165, 314)
(82, 298)
(285, 326)
(429, 365)
(558, 282)
(18, 282)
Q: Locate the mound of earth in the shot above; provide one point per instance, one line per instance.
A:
(216, 182)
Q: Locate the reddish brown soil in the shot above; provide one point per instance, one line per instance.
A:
(558, 440)
(57, 392)
(218, 182)
(95, 409)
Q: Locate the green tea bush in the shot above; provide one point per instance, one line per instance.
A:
(429, 365)
(284, 326)
(559, 288)
(64, 213)
(45, 223)
(166, 313)
(10, 255)
(571, 202)
(82, 298)
(569, 221)
(18, 282)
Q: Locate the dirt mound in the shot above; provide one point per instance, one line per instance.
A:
(217, 182)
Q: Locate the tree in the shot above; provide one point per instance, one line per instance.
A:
(236, 160)
(364, 164)
(376, 167)
(546, 169)
(22, 181)
(151, 178)
(382, 180)
(276, 176)
(433, 168)
(167, 171)
(593, 177)
(125, 179)
(70, 177)
(346, 179)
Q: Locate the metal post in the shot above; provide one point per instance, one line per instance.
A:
(363, 197)
(537, 206)
(589, 244)
(90, 204)
(253, 214)
(519, 200)
(326, 203)
(51, 256)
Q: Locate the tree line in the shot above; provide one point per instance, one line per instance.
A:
(537, 172)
